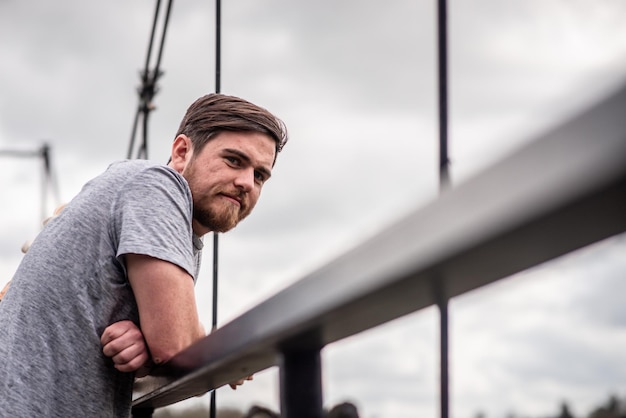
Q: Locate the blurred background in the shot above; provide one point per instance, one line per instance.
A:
(356, 84)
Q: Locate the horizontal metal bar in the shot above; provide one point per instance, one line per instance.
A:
(20, 153)
(563, 191)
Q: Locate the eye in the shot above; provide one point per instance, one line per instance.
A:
(259, 177)
(233, 160)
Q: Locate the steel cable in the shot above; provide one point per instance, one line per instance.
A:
(148, 87)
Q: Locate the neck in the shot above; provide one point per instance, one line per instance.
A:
(198, 229)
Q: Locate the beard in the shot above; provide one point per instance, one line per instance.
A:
(221, 219)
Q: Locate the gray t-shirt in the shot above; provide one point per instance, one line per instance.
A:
(72, 284)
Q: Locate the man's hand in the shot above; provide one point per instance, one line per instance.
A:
(239, 382)
(124, 343)
(4, 289)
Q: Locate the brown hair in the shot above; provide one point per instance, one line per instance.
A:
(213, 113)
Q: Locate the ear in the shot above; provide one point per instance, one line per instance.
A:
(182, 151)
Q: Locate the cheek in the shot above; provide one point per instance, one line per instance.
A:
(254, 197)
(201, 192)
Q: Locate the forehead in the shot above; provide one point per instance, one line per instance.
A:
(258, 147)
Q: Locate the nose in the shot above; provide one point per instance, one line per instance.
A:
(245, 180)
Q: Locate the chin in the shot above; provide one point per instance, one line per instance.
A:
(218, 225)
(217, 219)
(223, 228)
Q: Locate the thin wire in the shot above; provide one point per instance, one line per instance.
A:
(444, 162)
(444, 182)
(144, 80)
(213, 402)
(148, 87)
(165, 26)
(218, 76)
(152, 87)
(50, 180)
(133, 133)
(218, 46)
(218, 40)
(152, 32)
(142, 152)
(18, 153)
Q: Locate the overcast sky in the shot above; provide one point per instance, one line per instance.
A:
(355, 82)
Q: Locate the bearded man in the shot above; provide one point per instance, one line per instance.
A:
(125, 252)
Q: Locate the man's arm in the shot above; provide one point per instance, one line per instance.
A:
(167, 306)
(123, 342)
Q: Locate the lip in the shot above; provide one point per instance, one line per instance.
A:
(234, 199)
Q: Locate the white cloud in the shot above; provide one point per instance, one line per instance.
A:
(356, 84)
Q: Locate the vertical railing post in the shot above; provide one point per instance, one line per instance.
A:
(301, 384)
(444, 384)
(142, 412)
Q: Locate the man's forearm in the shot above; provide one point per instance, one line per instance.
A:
(167, 307)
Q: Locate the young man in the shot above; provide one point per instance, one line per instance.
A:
(125, 251)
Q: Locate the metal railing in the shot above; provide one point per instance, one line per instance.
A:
(563, 191)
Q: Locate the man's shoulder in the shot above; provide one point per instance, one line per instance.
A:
(133, 165)
(127, 172)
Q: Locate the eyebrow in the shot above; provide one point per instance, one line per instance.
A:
(267, 173)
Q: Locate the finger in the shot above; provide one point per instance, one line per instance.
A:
(117, 330)
(130, 359)
(112, 332)
(54, 214)
(133, 365)
(129, 353)
(233, 385)
(26, 246)
(59, 209)
(132, 338)
(127, 343)
(4, 289)
(113, 344)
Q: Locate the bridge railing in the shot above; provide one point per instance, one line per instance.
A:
(563, 191)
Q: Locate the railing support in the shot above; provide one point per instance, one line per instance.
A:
(142, 412)
(444, 394)
(301, 384)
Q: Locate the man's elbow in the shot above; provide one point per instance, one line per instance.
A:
(161, 357)
(162, 351)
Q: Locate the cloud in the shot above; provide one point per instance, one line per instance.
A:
(536, 338)
(356, 84)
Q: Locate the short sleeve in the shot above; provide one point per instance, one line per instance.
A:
(152, 216)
